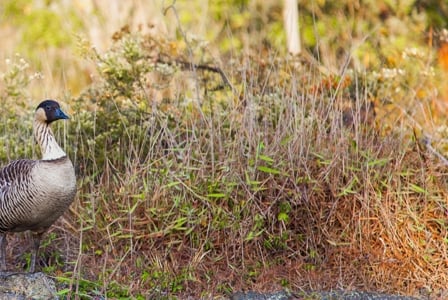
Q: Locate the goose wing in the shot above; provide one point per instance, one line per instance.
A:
(16, 172)
(13, 178)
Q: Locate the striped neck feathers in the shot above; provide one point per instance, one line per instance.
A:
(44, 137)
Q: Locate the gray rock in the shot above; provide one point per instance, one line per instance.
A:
(280, 295)
(21, 286)
(318, 295)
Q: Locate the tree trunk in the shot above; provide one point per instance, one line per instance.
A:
(291, 23)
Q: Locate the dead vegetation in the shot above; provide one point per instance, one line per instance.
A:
(262, 187)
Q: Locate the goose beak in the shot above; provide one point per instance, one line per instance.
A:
(60, 114)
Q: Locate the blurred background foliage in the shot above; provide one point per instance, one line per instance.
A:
(397, 45)
(377, 31)
(373, 33)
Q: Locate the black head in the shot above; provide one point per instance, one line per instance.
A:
(49, 111)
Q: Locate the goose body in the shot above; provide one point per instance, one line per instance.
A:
(35, 193)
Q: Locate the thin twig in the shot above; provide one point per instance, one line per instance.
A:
(186, 65)
(190, 65)
(427, 142)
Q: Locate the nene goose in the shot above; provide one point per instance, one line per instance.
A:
(35, 193)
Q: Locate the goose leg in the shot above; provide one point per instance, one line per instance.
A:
(2, 252)
(37, 236)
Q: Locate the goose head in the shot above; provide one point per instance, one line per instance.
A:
(49, 111)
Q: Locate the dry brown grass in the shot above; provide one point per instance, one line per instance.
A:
(263, 187)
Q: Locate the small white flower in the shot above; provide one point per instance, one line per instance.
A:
(36, 75)
(391, 73)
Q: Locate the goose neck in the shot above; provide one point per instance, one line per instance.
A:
(45, 138)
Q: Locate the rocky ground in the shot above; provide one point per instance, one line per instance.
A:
(38, 286)
(318, 295)
(18, 286)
